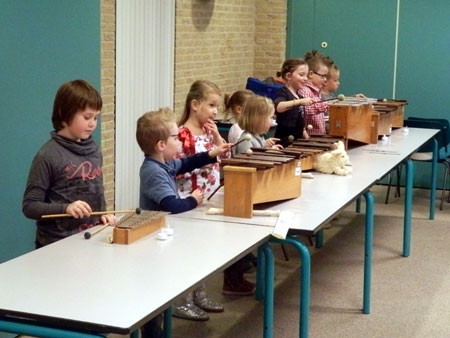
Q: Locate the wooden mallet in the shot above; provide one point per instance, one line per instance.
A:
(88, 234)
(96, 213)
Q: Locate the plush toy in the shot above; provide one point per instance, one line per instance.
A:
(335, 161)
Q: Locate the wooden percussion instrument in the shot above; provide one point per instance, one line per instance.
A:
(133, 227)
(263, 176)
(394, 108)
(351, 119)
(363, 120)
(310, 148)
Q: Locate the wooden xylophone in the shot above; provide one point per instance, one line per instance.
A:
(267, 175)
(260, 177)
(364, 120)
(395, 109)
(309, 149)
(133, 227)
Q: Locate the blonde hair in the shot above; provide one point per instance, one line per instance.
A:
(235, 100)
(153, 127)
(199, 91)
(255, 111)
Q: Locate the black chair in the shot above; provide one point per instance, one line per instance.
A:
(425, 152)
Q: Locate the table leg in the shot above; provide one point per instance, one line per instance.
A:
(41, 331)
(305, 282)
(167, 322)
(319, 239)
(269, 290)
(265, 275)
(433, 179)
(409, 178)
(260, 268)
(368, 248)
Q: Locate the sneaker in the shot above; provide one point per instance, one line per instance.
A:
(250, 263)
(248, 283)
(327, 226)
(190, 312)
(242, 288)
(208, 305)
(249, 267)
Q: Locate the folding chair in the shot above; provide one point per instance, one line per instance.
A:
(425, 152)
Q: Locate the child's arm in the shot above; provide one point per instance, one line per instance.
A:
(36, 201)
(287, 105)
(195, 161)
(175, 205)
(199, 160)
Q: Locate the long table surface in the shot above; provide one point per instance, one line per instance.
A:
(87, 284)
(101, 287)
(325, 195)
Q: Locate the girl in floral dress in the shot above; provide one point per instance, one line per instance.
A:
(198, 132)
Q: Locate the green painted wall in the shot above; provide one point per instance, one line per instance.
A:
(43, 44)
(361, 37)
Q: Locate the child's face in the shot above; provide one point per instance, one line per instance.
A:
(332, 84)
(267, 123)
(207, 109)
(171, 144)
(82, 125)
(319, 77)
(298, 77)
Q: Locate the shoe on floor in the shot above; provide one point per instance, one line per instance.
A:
(327, 226)
(190, 312)
(249, 267)
(248, 283)
(241, 288)
(208, 305)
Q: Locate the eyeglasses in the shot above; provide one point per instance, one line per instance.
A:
(322, 76)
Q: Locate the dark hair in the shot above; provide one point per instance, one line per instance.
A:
(236, 99)
(153, 127)
(291, 65)
(315, 60)
(71, 98)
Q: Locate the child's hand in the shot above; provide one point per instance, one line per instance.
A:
(277, 147)
(270, 142)
(79, 209)
(198, 195)
(212, 127)
(220, 149)
(306, 101)
(108, 219)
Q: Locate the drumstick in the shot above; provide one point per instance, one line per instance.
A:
(216, 190)
(268, 212)
(88, 234)
(340, 97)
(131, 211)
(246, 137)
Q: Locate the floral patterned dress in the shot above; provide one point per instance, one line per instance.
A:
(206, 178)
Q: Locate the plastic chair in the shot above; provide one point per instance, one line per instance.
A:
(443, 139)
(425, 152)
(262, 88)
